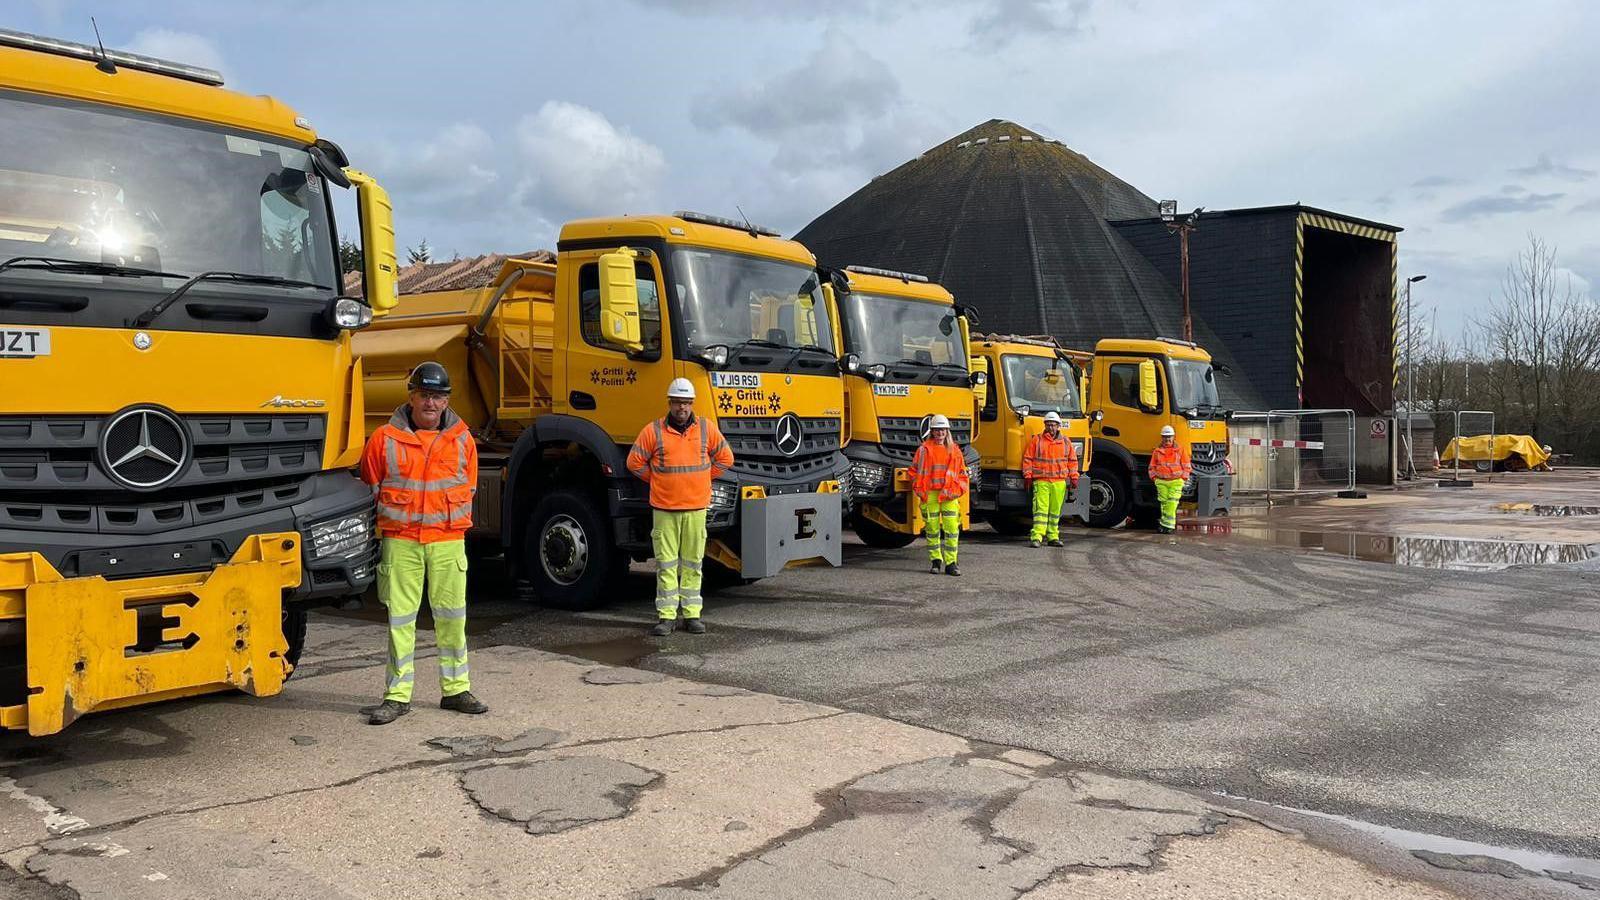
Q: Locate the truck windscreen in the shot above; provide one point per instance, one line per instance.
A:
(895, 330)
(733, 300)
(1194, 386)
(1041, 384)
(103, 185)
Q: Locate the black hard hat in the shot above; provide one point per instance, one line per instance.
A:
(431, 377)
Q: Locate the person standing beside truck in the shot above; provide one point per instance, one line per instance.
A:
(424, 463)
(1169, 469)
(939, 478)
(1050, 463)
(679, 455)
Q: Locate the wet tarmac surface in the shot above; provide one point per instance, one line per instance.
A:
(1418, 661)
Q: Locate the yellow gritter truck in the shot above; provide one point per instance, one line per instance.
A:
(1031, 376)
(558, 366)
(907, 346)
(181, 404)
(1136, 386)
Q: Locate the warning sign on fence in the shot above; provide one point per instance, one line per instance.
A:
(1380, 428)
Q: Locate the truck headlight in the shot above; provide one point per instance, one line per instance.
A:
(724, 494)
(349, 313)
(1012, 481)
(341, 538)
(868, 476)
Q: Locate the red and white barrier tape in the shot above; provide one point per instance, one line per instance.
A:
(1291, 445)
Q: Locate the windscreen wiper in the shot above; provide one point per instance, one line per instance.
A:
(79, 267)
(912, 362)
(813, 348)
(161, 306)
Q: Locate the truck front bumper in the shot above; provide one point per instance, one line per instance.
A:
(91, 643)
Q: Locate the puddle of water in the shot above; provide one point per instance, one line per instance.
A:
(1532, 860)
(1458, 554)
(622, 651)
(1547, 509)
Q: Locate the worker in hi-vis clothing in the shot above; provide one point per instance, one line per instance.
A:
(425, 465)
(939, 478)
(678, 455)
(1169, 469)
(1050, 463)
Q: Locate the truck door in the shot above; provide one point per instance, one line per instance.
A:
(1127, 420)
(616, 389)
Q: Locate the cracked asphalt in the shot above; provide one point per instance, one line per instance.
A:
(1087, 722)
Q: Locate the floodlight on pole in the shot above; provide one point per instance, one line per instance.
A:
(1169, 215)
(1411, 338)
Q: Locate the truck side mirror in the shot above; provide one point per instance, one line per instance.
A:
(619, 299)
(380, 267)
(1083, 392)
(979, 367)
(1148, 393)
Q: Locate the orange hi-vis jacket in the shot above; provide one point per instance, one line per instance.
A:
(939, 469)
(425, 479)
(1050, 459)
(1169, 463)
(679, 465)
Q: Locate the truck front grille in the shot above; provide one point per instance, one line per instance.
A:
(58, 454)
(754, 442)
(901, 437)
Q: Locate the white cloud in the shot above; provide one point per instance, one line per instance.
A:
(580, 164)
(177, 46)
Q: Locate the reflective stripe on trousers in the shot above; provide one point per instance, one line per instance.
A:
(405, 567)
(1168, 492)
(679, 540)
(1048, 498)
(942, 524)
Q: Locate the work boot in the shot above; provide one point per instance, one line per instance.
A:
(1034, 543)
(387, 712)
(663, 628)
(953, 569)
(936, 568)
(694, 625)
(464, 702)
(1057, 543)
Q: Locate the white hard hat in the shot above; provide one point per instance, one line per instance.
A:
(680, 389)
(939, 422)
(1052, 418)
(1168, 431)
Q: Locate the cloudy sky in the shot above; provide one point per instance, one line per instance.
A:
(493, 122)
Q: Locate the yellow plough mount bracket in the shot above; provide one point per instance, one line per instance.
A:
(81, 633)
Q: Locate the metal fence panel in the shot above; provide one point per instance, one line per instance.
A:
(1294, 451)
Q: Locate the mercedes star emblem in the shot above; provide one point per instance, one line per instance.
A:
(788, 434)
(141, 341)
(144, 448)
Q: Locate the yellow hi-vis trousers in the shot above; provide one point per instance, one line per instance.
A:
(679, 539)
(1168, 492)
(942, 524)
(1048, 497)
(404, 567)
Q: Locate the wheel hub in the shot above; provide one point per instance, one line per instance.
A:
(564, 550)
(1100, 495)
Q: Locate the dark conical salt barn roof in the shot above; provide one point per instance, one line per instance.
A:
(1017, 226)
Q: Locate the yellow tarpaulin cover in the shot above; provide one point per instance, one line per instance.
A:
(1505, 445)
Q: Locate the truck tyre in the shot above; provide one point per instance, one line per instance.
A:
(874, 535)
(294, 631)
(1110, 496)
(1010, 525)
(568, 554)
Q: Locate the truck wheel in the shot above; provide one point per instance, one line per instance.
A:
(1010, 525)
(874, 535)
(294, 631)
(567, 552)
(1110, 496)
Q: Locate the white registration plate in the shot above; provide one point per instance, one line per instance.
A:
(24, 343)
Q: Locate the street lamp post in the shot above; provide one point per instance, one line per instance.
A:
(1411, 338)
